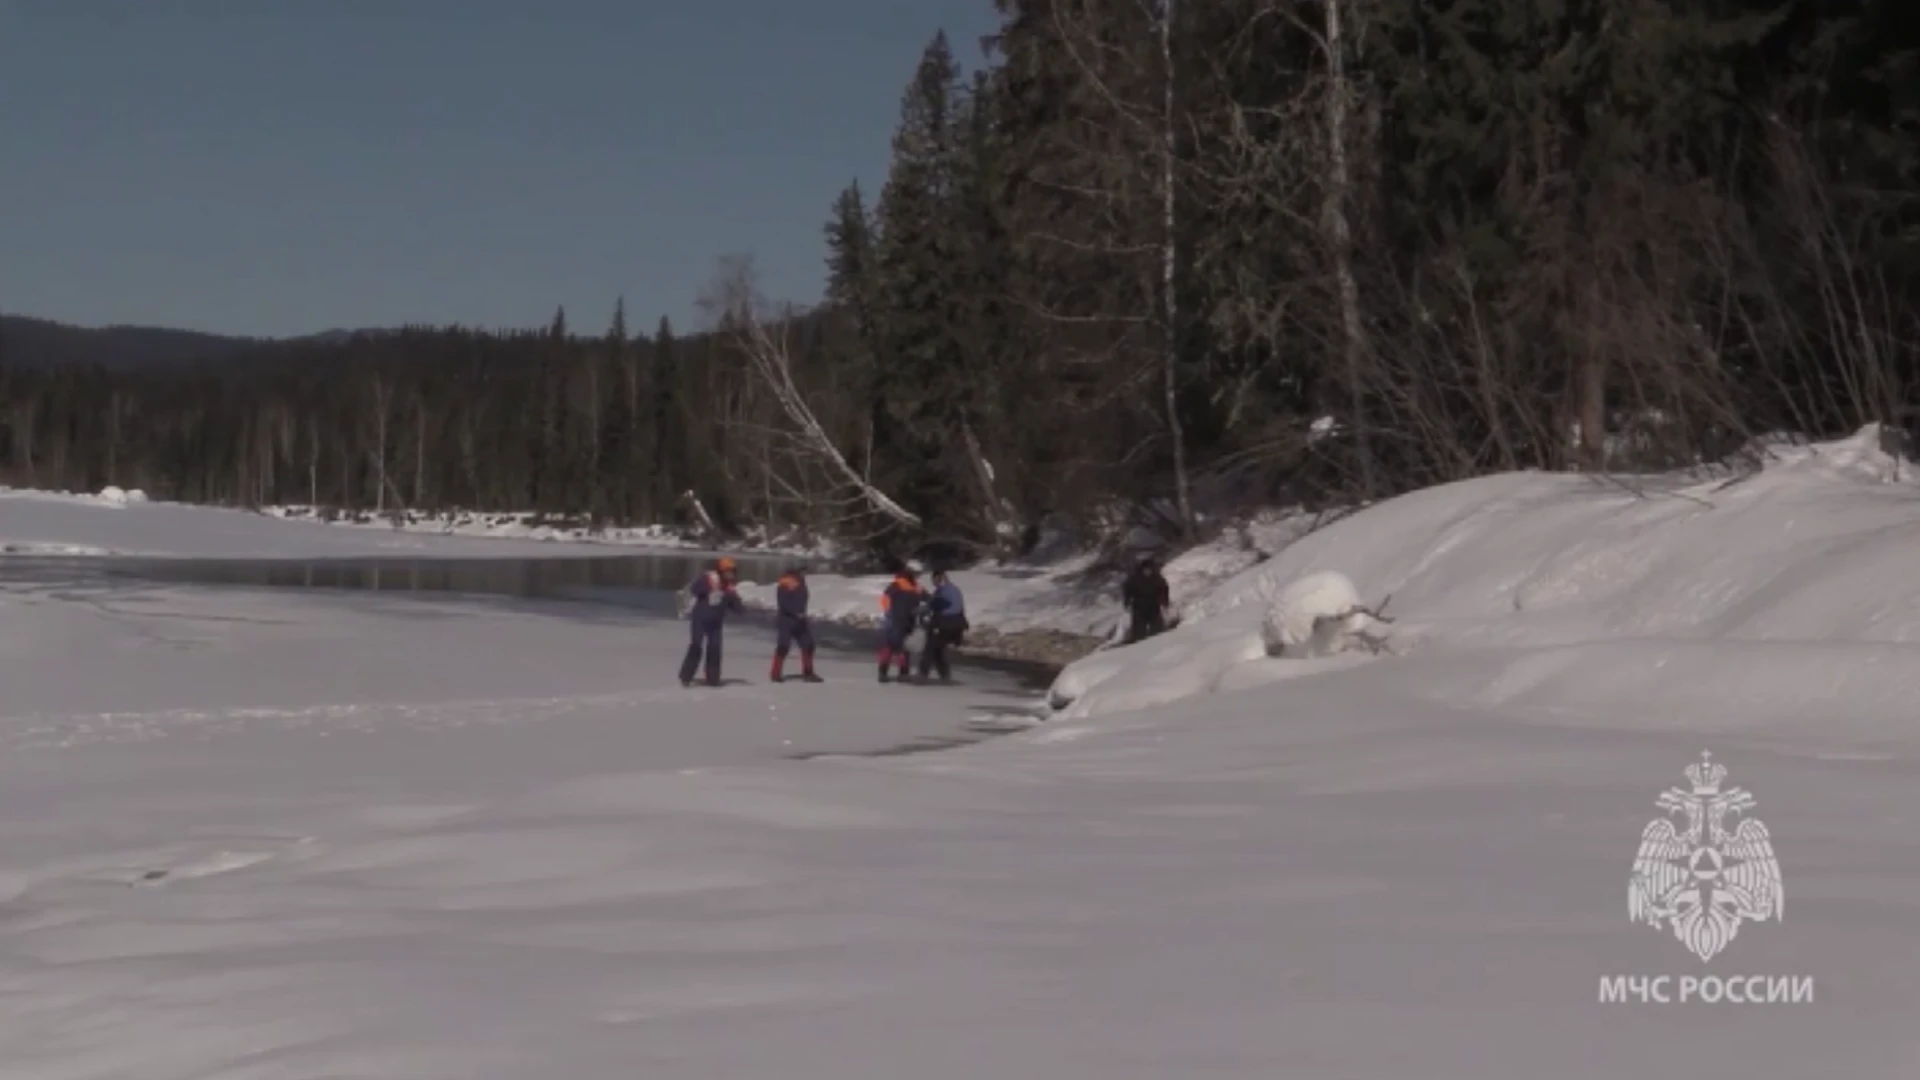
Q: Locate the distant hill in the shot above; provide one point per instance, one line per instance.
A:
(30, 342)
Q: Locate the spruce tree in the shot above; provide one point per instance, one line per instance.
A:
(853, 311)
(919, 244)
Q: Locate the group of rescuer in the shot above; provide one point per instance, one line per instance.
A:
(939, 615)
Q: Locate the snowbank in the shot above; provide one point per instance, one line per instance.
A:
(118, 522)
(526, 528)
(110, 496)
(1810, 566)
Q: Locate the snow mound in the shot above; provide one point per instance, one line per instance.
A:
(1816, 545)
(1318, 615)
(109, 496)
(115, 496)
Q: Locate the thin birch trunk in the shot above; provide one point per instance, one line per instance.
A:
(1340, 233)
(1169, 269)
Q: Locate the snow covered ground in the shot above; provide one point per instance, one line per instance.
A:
(269, 836)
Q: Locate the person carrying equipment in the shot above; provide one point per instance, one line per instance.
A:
(946, 625)
(712, 595)
(899, 612)
(791, 625)
(1147, 599)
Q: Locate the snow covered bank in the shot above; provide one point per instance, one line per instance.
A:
(525, 528)
(1581, 592)
(126, 523)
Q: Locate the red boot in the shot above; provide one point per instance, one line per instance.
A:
(779, 662)
(806, 667)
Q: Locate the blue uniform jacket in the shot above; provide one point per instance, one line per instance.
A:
(710, 602)
(947, 600)
(790, 597)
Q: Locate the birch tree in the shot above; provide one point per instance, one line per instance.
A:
(762, 338)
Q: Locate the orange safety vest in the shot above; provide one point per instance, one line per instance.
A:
(903, 585)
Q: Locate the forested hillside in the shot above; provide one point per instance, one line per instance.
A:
(1185, 256)
(33, 342)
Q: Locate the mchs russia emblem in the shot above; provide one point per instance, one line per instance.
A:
(1697, 876)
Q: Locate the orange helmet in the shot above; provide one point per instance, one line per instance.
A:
(724, 564)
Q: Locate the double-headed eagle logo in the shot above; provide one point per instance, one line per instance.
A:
(1696, 876)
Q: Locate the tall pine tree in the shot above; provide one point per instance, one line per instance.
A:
(922, 369)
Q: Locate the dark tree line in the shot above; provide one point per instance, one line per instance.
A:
(615, 427)
(1172, 257)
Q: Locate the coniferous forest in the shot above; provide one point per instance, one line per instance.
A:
(1169, 258)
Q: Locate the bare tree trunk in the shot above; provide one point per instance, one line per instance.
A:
(23, 434)
(264, 447)
(113, 438)
(420, 451)
(1340, 235)
(700, 513)
(382, 400)
(1169, 269)
(1593, 409)
(997, 509)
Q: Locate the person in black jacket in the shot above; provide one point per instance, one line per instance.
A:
(1147, 600)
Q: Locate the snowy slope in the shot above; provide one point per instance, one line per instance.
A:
(1791, 587)
(1409, 867)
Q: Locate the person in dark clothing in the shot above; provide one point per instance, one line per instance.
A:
(899, 613)
(946, 621)
(791, 625)
(713, 596)
(1147, 599)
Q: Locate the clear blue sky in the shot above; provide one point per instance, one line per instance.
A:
(278, 167)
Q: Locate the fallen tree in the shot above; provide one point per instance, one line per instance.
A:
(762, 341)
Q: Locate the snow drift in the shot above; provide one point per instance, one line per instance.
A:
(1591, 588)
